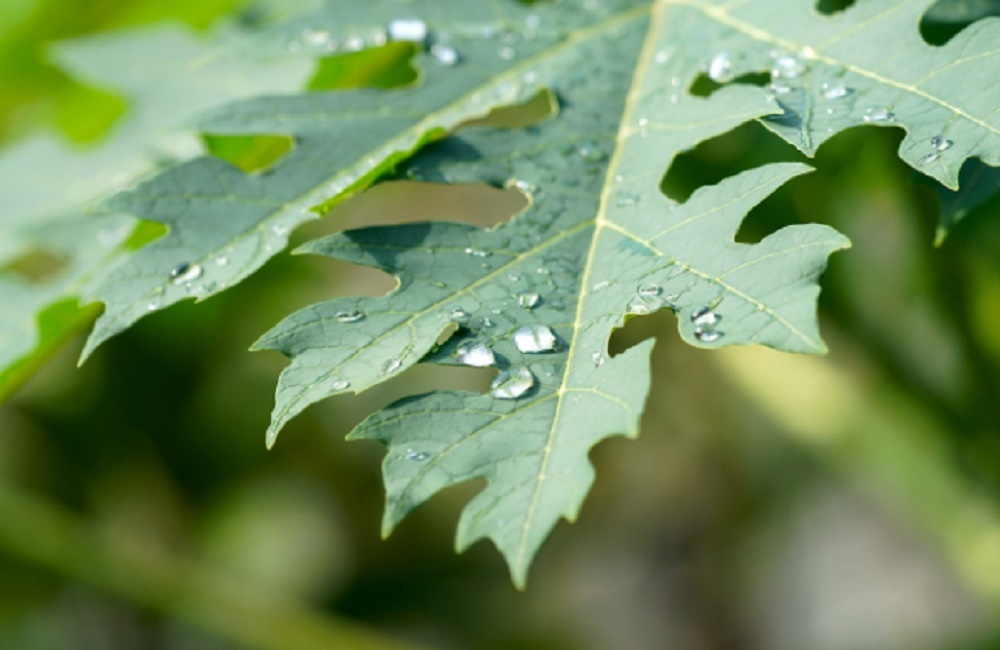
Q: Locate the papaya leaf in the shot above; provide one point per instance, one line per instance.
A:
(538, 297)
(224, 224)
(168, 75)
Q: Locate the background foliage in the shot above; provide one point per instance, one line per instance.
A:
(772, 501)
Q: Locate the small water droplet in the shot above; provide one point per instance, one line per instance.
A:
(506, 53)
(627, 200)
(720, 67)
(941, 143)
(185, 272)
(416, 455)
(528, 299)
(475, 354)
(532, 339)
(788, 67)
(600, 285)
(354, 44)
(807, 53)
(408, 29)
(512, 383)
(340, 384)
(349, 315)
(477, 252)
(280, 229)
(445, 54)
(929, 158)
(591, 152)
(598, 358)
(661, 57)
(878, 114)
(153, 305)
(392, 365)
(835, 90)
(638, 307)
(457, 313)
(649, 290)
(525, 186)
(316, 37)
(222, 260)
(707, 335)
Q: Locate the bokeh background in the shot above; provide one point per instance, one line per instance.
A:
(772, 502)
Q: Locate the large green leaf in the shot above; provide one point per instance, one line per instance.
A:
(539, 296)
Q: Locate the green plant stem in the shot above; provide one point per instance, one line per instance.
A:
(35, 529)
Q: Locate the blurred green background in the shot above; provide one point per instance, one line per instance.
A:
(773, 502)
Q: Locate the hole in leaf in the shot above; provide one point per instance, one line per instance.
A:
(38, 266)
(745, 147)
(389, 66)
(704, 86)
(828, 7)
(534, 111)
(946, 18)
(250, 153)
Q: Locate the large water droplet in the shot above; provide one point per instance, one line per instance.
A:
(185, 272)
(705, 317)
(408, 29)
(349, 315)
(528, 299)
(941, 143)
(532, 339)
(707, 335)
(445, 54)
(720, 67)
(475, 354)
(878, 114)
(512, 383)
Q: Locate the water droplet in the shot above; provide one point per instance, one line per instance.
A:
(835, 90)
(475, 354)
(340, 384)
(598, 358)
(591, 152)
(222, 260)
(457, 313)
(929, 158)
(153, 305)
(506, 53)
(649, 290)
(533, 21)
(720, 68)
(662, 57)
(807, 53)
(316, 37)
(525, 186)
(408, 29)
(705, 317)
(627, 200)
(280, 229)
(445, 54)
(349, 315)
(416, 455)
(392, 365)
(787, 67)
(185, 272)
(355, 43)
(707, 335)
(941, 143)
(512, 383)
(477, 252)
(878, 114)
(600, 285)
(528, 299)
(638, 306)
(532, 339)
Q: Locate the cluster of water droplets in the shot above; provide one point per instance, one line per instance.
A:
(706, 320)
(938, 143)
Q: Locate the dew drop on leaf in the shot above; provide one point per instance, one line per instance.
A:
(878, 114)
(705, 317)
(835, 90)
(412, 454)
(408, 29)
(185, 272)
(340, 384)
(532, 339)
(349, 315)
(445, 54)
(598, 358)
(475, 354)
(392, 365)
(528, 299)
(707, 335)
(720, 67)
(649, 290)
(512, 383)
(941, 143)
(506, 53)
(222, 260)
